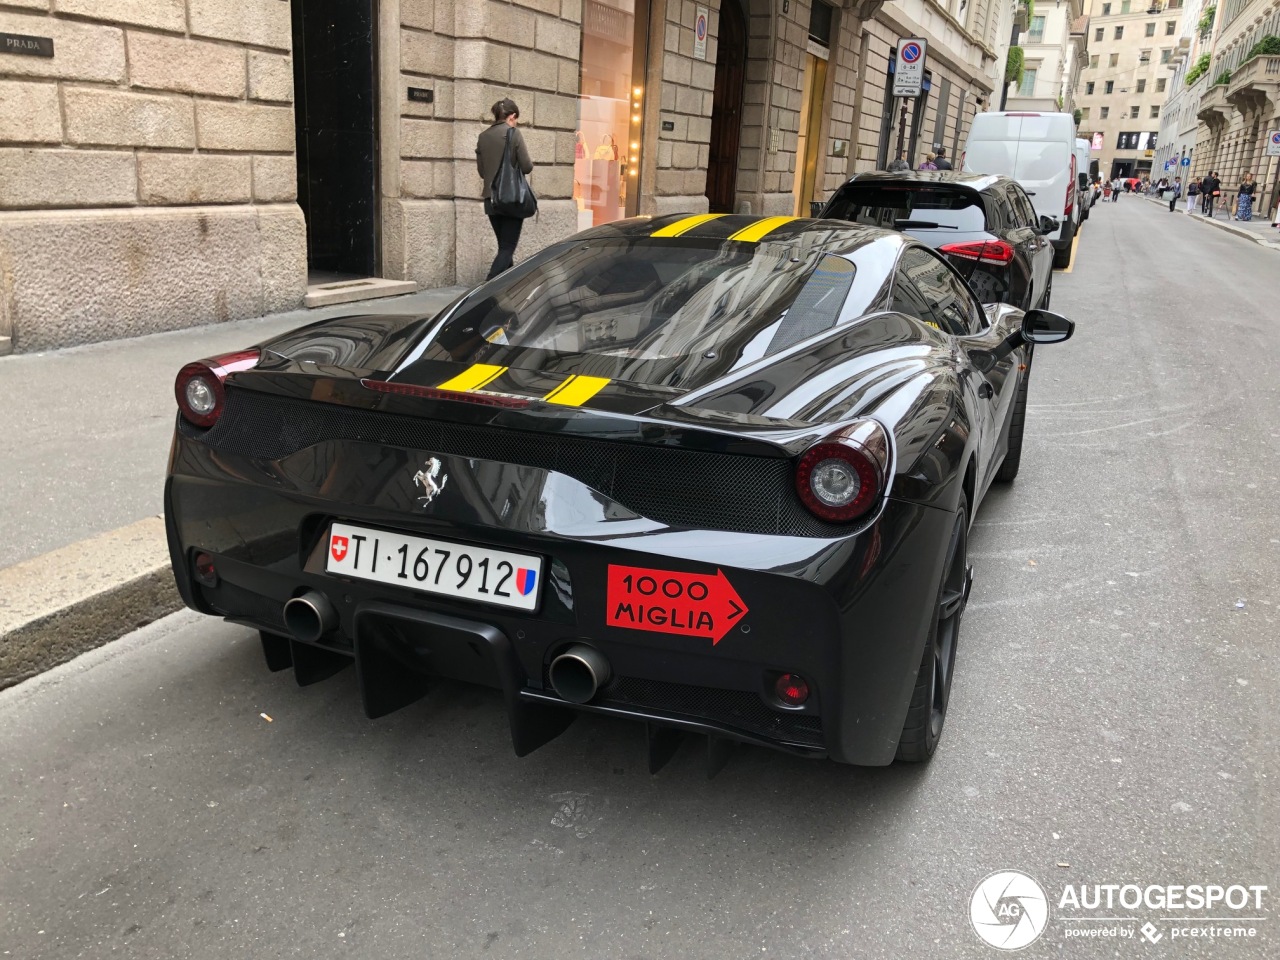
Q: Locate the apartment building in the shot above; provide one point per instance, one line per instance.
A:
(1132, 47)
(1179, 118)
(1054, 50)
(1240, 99)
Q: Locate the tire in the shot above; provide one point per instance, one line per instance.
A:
(927, 711)
(1008, 471)
(1062, 257)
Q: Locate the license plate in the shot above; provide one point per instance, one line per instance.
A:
(442, 567)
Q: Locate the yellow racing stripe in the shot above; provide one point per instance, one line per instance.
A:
(685, 225)
(758, 229)
(474, 377)
(577, 390)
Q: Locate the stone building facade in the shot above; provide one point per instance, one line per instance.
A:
(1240, 102)
(166, 163)
(1133, 48)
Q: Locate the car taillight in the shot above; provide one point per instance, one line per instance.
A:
(842, 476)
(1071, 188)
(199, 385)
(984, 251)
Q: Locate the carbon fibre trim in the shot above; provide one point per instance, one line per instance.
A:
(681, 488)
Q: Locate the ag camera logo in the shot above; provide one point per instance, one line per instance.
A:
(1008, 910)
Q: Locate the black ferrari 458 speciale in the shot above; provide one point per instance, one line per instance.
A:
(714, 473)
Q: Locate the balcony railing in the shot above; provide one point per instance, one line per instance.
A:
(1257, 72)
(1215, 98)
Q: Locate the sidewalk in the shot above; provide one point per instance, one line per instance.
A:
(83, 446)
(1258, 229)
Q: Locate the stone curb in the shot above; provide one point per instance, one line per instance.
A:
(68, 601)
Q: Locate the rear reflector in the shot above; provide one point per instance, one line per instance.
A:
(995, 252)
(435, 393)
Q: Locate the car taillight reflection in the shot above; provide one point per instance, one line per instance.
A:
(199, 389)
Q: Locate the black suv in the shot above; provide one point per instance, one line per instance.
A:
(984, 224)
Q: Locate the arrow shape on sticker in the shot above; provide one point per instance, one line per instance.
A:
(673, 602)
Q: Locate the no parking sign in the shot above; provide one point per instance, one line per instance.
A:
(1273, 143)
(700, 34)
(908, 72)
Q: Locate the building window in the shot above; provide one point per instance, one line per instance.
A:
(1170, 27)
(1027, 87)
(1097, 35)
(1093, 62)
(1144, 56)
(1110, 87)
(1155, 112)
(1084, 113)
(1106, 9)
(1119, 33)
(1133, 112)
(1088, 88)
(1104, 112)
(1113, 60)
(1165, 54)
(1151, 29)
(606, 171)
(1036, 33)
(1124, 6)
(820, 23)
(1160, 85)
(1142, 86)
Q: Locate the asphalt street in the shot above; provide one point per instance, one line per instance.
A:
(1112, 722)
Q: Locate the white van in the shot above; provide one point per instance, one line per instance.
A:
(1037, 150)
(1084, 189)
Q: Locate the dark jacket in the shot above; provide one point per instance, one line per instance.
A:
(489, 148)
(942, 163)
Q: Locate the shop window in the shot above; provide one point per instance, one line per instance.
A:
(611, 97)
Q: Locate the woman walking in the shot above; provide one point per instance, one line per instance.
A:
(1244, 205)
(490, 149)
(1193, 194)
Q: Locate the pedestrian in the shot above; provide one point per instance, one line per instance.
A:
(490, 149)
(1210, 189)
(941, 161)
(1244, 204)
(1193, 193)
(901, 163)
(1176, 192)
(1115, 190)
(928, 163)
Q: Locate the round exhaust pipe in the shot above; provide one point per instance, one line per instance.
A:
(578, 673)
(310, 616)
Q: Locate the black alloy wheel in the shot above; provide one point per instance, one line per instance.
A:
(928, 709)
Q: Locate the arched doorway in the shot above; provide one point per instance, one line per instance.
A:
(726, 110)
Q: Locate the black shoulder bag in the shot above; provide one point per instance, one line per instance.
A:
(510, 193)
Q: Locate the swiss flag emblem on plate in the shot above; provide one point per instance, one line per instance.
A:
(338, 547)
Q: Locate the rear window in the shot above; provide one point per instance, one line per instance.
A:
(901, 207)
(647, 311)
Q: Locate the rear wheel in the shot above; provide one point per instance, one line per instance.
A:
(1013, 457)
(928, 709)
(1062, 256)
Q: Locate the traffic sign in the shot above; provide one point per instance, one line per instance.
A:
(1186, 161)
(908, 74)
(1273, 143)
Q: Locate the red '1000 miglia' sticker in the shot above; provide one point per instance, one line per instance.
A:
(665, 601)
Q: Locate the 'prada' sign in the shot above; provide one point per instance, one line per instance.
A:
(26, 46)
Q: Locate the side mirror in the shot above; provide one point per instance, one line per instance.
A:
(815, 208)
(1041, 326)
(1048, 224)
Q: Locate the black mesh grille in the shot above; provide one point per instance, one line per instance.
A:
(682, 488)
(740, 709)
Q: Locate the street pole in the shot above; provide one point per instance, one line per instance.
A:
(902, 129)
